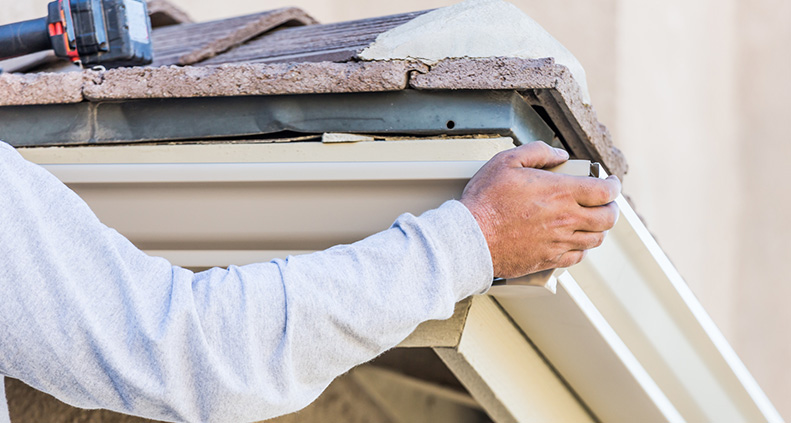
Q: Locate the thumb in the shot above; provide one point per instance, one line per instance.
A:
(537, 155)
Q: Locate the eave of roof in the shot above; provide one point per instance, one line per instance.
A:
(292, 60)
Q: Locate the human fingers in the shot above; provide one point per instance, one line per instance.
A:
(599, 218)
(583, 240)
(592, 192)
(570, 258)
(536, 154)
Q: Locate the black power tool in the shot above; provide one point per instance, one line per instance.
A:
(109, 33)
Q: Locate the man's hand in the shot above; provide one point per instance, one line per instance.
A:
(534, 219)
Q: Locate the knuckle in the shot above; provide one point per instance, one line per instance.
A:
(554, 254)
(612, 217)
(567, 219)
(561, 220)
(571, 258)
(598, 240)
(603, 194)
(616, 189)
(505, 153)
(541, 144)
(540, 148)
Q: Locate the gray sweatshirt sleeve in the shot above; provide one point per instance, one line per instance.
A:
(90, 319)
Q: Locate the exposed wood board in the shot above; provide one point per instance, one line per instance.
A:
(440, 333)
(505, 374)
(340, 40)
(644, 299)
(410, 400)
(582, 347)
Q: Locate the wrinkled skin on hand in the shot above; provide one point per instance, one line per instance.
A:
(534, 219)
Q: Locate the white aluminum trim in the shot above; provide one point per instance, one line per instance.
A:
(708, 325)
(619, 348)
(645, 300)
(505, 373)
(576, 339)
(653, 324)
(262, 172)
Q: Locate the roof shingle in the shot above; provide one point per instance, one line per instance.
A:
(189, 44)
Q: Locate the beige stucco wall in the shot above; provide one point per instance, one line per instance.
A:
(695, 93)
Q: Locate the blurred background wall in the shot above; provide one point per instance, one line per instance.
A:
(697, 94)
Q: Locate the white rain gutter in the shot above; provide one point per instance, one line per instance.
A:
(623, 330)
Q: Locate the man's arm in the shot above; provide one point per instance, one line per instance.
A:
(87, 317)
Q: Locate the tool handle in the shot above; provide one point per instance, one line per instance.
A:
(22, 38)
